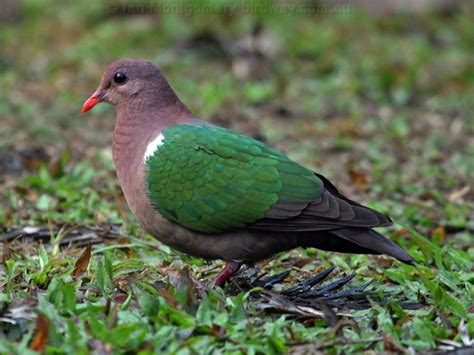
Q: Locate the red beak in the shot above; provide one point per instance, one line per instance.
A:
(95, 98)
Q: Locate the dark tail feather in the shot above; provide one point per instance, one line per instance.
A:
(372, 240)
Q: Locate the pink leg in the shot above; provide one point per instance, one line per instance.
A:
(231, 267)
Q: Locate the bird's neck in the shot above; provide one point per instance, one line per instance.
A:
(140, 121)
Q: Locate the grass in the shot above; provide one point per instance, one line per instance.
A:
(382, 105)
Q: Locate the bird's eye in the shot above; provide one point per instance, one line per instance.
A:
(120, 78)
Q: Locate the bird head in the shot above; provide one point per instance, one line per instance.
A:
(124, 80)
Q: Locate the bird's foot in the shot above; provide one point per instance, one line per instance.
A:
(230, 268)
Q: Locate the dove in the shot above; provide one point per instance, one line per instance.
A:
(209, 192)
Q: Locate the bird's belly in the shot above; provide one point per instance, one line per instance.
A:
(241, 245)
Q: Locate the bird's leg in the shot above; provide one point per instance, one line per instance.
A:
(230, 268)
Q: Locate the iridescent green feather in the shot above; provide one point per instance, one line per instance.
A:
(212, 180)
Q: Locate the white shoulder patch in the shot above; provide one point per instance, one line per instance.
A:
(153, 146)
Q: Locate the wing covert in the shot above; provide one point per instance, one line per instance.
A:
(211, 180)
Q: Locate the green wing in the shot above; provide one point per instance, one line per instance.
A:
(212, 180)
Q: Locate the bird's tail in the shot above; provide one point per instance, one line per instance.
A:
(372, 240)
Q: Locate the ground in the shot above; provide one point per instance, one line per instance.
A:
(382, 104)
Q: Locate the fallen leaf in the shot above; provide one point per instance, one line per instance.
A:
(390, 345)
(401, 233)
(6, 252)
(41, 334)
(83, 261)
(459, 194)
(439, 235)
(358, 177)
(128, 251)
(185, 288)
(168, 297)
(58, 164)
(217, 331)
(120, 298)
(328, 314)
